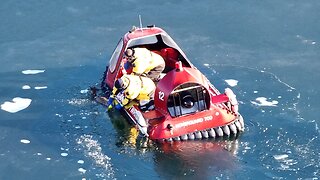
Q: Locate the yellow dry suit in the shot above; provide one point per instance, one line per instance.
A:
(134, 88)
(147, 62)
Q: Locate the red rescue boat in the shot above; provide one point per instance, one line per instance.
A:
(186, 105)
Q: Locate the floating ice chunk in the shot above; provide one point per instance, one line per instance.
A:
(26, 87)
(82, 170)
(64, 154)
(32, 71)
(80, 161)
(232, 82)
(40, 87)
(206, 64)
(16, 105)
(305, 40)
(84, 91)
(25, 141)
(280, 157)
(262, 101)
(48, 158)
(255, 92)
(64, 149)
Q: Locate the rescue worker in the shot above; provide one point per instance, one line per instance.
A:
(145, 62)
(129, 88)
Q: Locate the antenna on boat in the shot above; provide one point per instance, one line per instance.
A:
(140, 22)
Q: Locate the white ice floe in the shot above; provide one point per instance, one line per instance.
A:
(16, 105)
(80, 161)
(206, 65)
(26, 87)
(82, 170)
(25, 141)
(231, 82)
(84, 91)
(262, 101)
(305, 40)
(64, 154)
(40, 87)
(35, 71)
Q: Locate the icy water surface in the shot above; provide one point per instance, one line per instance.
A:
(52, 51)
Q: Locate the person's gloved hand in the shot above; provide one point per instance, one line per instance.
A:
(118, 106)
(110, 102)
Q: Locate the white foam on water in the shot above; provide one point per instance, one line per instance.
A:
(285, 162)
(231, 82)
(280, 157)
(93, 150)
(16, 105)
(76, 102)
(262, 101)
(35, 71)
(25, 141)
(64, 154)
(26, 87)
(40, 87)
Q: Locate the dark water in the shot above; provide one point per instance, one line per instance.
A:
(271, 48)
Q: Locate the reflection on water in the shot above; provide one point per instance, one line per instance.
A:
(197, 159)
(127, 134)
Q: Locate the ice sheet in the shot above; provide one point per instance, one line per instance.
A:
(35, 71)
(16, 105)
